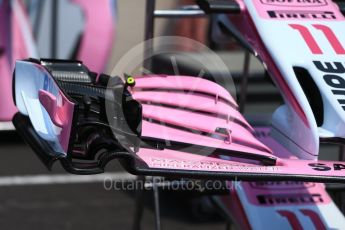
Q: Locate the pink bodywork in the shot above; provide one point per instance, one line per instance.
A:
(168, 106)
(177, 103)
(251, 190)
(195, 104)
(61, 116)
(169, 159)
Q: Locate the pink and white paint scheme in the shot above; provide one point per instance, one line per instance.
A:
(294, 34)
(213, 138)
(193, 115)
(315, 27)
(183, 109)
(308, 35)
(281, 204)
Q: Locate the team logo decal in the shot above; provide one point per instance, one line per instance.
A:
(288, 14)
(325, 167)
(295, 3)
(281, 185)
(297, 198)
(323, 10)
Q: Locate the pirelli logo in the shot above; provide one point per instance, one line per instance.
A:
(288, 14)
(295, 3)
(275, 199)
